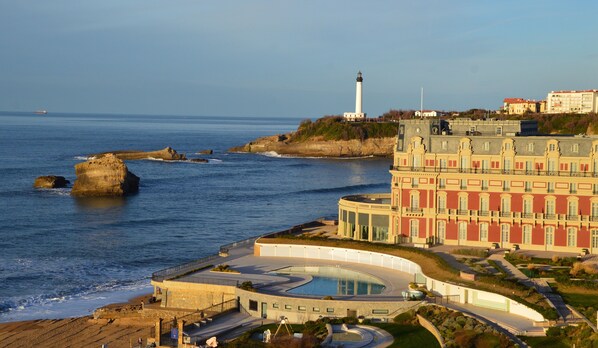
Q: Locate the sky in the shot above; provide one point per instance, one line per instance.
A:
(282, 58)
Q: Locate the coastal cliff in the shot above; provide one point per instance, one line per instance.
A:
(329, 136)
(379, 147)
(105, 176)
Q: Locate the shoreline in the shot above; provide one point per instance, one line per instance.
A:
(80, 331)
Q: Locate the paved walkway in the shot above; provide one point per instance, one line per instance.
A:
(541, 285)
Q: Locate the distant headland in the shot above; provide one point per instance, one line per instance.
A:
(329, 136)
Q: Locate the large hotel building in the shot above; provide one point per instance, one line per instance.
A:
(483, 183)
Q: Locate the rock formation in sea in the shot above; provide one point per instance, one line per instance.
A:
(380, 147)
(105, 176)
(50, 181)
(166, 154)
(205, 152)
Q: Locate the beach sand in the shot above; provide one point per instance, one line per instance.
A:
(76, 332)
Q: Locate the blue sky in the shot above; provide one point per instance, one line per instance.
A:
(289, 58)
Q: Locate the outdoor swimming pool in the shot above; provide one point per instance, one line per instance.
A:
(330, 281)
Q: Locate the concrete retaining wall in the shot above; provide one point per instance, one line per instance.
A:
(300, 310)
(475, 297)
(426, 324)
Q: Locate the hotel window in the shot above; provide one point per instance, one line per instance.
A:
(595, 169)
(508, 146)
(505, 206)
(442, 164)
(484, 185)
(506, 186)
(528, 186)
(252, 305)
(572, 209)
(527, 234)
(594, 239)
(528, 167)
(414, 201)
(444, 144)
(462, 231)
(315, 309)
(485, 166)
(288, 307)
(486, 146)
(441, 231)
(551, 166)
(573, 168)
(464, 164)
(301, 308)
(575, 148)
(414, 228)
(506, 166)
(504, 233)
(484, 205)
(571, 237)
(550, 208)
(549, 238)
(572, 188)
(441, 183)
(329, 310)
(441, 204)
(484, 232)
(550, 187)
(462, 205)
(363, 220)
(414, 182)
(379, 228)
(530, 147)
(275, 305)
(499, 131)
(594, 216)
(551, 147)
(527, 208)
(463, 184)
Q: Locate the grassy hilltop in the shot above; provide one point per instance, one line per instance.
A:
(331, 128)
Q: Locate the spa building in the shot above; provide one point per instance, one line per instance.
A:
(483, 183)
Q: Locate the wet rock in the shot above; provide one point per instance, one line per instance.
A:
(50, 181)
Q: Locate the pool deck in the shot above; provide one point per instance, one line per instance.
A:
(256, 269)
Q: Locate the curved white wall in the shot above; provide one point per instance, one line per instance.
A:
(475, 297)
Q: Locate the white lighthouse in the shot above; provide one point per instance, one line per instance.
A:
(358, 115)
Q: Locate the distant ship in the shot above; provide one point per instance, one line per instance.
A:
(40, 112)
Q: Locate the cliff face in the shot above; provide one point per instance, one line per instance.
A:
(167, 154)
(105, 176)
(380, 147)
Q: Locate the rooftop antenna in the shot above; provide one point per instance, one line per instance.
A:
(421, 105)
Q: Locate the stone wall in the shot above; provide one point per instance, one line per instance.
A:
(177, 294)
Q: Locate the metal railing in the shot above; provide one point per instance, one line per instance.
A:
(492, 171)
(189, 267)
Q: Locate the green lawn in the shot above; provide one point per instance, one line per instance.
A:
(409, 336)
(546, 342)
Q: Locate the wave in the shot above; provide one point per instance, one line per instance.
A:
(84, 158)
(349, 188)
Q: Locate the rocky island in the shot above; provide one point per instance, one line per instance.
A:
(166, 154)
(329, 136)
(105, 176)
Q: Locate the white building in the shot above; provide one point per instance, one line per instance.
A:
(581, 102)
(427, 113)
(358, 115)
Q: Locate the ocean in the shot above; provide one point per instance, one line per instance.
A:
(63, 257)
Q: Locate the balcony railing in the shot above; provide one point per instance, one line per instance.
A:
(573, 217)
(483, 213)
(505, 214)
(549, 216)
(564, 173)
(527, 215)
(462, 212)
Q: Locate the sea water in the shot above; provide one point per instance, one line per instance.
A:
(61, 256)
